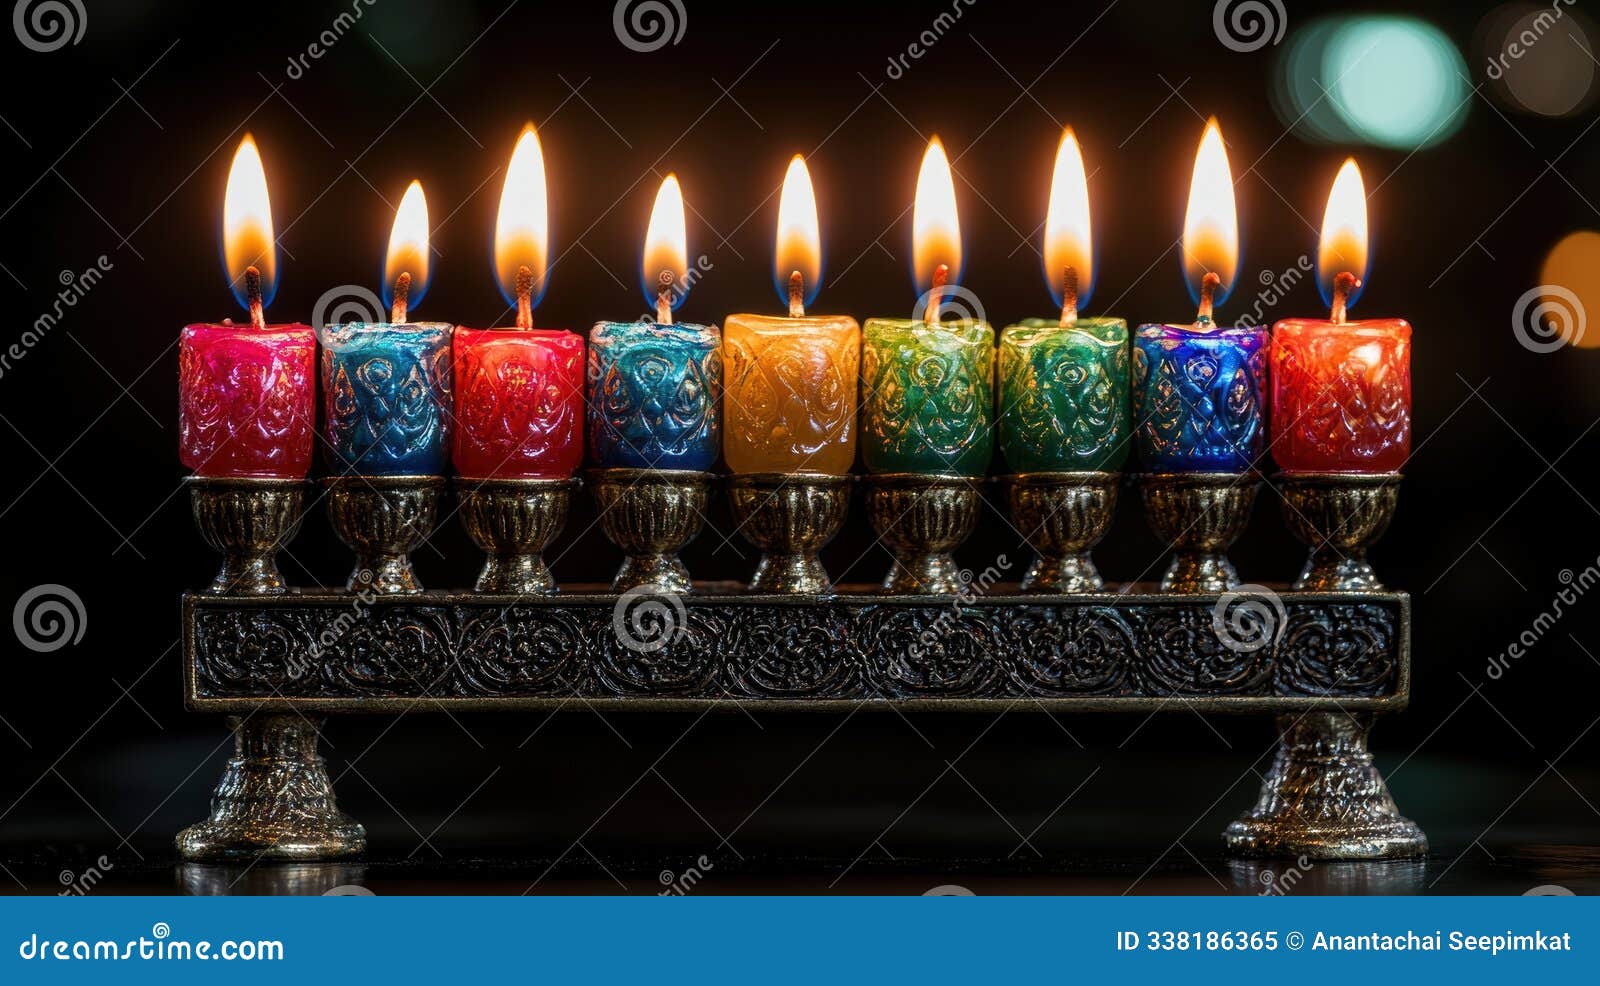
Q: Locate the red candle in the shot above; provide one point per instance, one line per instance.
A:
(247, 393)
(1341, 389)
(519, 391)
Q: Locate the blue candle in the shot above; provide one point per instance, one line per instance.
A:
(655, 395)
(1199, 397)
(386, 392)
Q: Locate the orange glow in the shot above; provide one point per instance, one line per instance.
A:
(935, 227)
(247, 223)
(408, 245)
(1067, 235)
(1211, 224)
(1344, 231)
(799, 238)
(522, 226)
(666, 246)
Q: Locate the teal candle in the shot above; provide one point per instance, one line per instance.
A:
(927, 396)
(1064, 395)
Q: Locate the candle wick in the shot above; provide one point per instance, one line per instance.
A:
(664, 298)
(1343, 284)
(1069, 296)
(941, 275)
(1208, 292)
(524, 298)
(252, 294)
(402, 296)
(797, 295)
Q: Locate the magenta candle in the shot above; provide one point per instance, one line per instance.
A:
(247, 393)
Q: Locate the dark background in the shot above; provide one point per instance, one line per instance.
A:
(119, 146)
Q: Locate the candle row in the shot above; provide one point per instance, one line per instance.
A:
(780, 394)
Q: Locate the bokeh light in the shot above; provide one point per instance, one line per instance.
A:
(1574, 265)
(1389, 81)
(1538, 59)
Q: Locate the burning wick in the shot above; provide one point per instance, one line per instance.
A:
(1069, 296)
(664, 298)
(402, 293)
(252, 293)
(1345, 283)
(524, 298)
(797, 295)
(941, 275)
(1208, 290)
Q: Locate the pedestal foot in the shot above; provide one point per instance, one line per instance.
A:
(1324, 798)
(274, 802)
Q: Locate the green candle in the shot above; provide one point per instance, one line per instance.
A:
(927, 396)
(1064, 395)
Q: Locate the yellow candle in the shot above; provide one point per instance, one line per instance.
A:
(789, 402)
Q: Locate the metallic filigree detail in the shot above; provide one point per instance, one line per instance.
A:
(1200, 515)
(789, 518)
(921, 520)
(1063, 515)
(651, 514)
(1338, 515)
(513, 521)
(1088, 651)
(383, 519)
(247, 520)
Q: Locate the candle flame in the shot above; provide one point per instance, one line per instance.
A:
(408, 246)
(935, 227)
(522, 226)
(1211, 224)
(799, 237)
(666, 248)
(247, 224)
(1344, 233)
(1067, 234)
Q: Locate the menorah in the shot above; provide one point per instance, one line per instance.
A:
(1323, 655)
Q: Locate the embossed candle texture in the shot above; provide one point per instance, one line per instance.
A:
(1342, 390)
(654, 395)
(790, 400)
(387, 403)
(927, 396)
(247, 393)
(1199, 391)
(1064, 395)
(519, 391)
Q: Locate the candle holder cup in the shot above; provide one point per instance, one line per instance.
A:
(247, 520)
(512, 521)
(1063, 515)
(922, 519)
(1338, 516)
(1200, 515)
(383, 519)
(651, 514)
(789, 517)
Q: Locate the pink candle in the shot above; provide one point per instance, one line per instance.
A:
(247, 393)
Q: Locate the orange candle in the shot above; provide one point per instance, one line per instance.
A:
(789, 405)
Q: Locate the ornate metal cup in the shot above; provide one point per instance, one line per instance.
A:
(651, 514)
(922, 519)
(789, 518)
(383, 519)
(1063, 515)
(1200, 515)
(513, 521)
(1339, 515)
(247, 520)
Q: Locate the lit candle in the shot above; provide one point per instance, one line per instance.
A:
(386, 385)
(927, 403)
(247, 393)
(790, 405)
(1199, 388)
(1341, 390)
(1064, 381)
(655, 387)
(519, 392)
